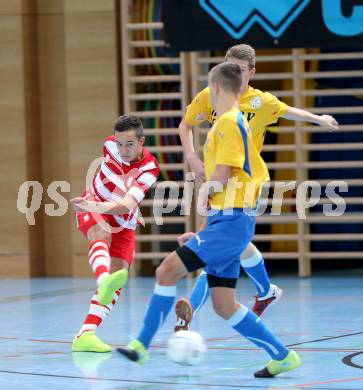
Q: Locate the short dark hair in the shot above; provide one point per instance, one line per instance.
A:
(228, 75)
(129, 122)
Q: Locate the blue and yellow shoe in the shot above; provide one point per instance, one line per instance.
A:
(135, 351)
(275, 367)
(108, 286)
(89, 342)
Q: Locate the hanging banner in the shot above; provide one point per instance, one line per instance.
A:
(217, 24)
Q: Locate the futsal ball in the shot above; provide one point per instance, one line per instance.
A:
(186, 347)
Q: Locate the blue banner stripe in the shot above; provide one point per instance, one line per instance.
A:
(246, 165)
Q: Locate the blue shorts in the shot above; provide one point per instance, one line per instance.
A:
(220, 244)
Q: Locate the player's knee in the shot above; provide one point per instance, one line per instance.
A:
(224, 306)
(249, 252)
(160, 274)
(221, 308)
(117, 264)
(97, 233)
(164, 275)
(221, 311)
(170, 271)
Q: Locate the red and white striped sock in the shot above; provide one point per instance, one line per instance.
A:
(100, 259)
(97, 313)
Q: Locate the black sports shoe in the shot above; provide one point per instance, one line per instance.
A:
(128, 353)
(134, 351)
(275, 367)
(263, 373)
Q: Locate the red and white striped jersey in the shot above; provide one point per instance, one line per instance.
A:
(118, 178)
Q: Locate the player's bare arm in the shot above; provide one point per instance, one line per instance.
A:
(182, 239)
(221, 175)
(186, 137)
(297, 114)
(114, 208)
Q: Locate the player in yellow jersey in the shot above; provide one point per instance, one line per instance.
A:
(261, 109)
(234, 171)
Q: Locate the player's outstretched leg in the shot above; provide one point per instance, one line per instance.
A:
(159, 307)
(254, 266)
(246, 323)
(112, 283)
(99, 259)
(86, 340)
(185, 309)
(266, 293)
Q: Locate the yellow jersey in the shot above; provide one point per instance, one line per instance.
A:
(260, 108)
(229, 142)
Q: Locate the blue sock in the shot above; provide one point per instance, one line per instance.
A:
(250, 326)
(159, 307)
(256, 271)
(200, 292)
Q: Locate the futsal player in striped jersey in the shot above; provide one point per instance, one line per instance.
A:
(107, 215)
